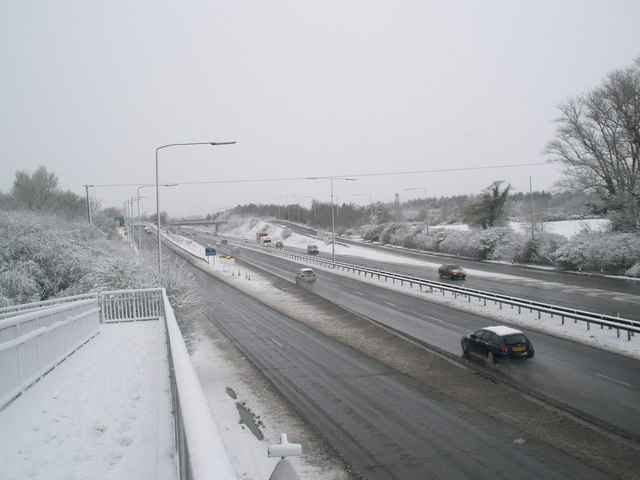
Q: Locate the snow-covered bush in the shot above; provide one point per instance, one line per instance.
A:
(389, 231)
(432, 241)
(405, 236)
(486, 241)
(634, 271)
(42, 257)
(371, 233)
(608, 251)
(506, 245)
(542, 249)
(459, 242)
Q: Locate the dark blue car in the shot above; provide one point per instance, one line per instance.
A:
(497, 342)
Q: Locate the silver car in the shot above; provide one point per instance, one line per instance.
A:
(305, 275)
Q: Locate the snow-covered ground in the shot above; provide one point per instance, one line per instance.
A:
(104, 412)
(567, 228)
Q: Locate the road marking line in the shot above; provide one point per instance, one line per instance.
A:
(359, 293)
(617, 381)
(276, 342)
(390, 304)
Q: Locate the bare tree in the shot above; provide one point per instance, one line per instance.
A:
(598, 141)
(33, 192)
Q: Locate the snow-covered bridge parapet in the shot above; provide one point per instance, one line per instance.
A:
(131, 305)
(34, 340)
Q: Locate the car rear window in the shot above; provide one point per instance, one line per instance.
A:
(515, 339)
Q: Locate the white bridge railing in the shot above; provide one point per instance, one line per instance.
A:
(34, 342)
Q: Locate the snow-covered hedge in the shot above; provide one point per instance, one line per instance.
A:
(614, 253)
(43, 256)
(609, 251)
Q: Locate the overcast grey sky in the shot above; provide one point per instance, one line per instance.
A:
(357, 88)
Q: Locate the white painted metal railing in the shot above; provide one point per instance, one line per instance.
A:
(131, 305)
(31, 344)
(12, 311)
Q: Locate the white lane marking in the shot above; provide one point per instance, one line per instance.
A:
(390, 304)
(359, 293)
(617, 381)
(276, 342)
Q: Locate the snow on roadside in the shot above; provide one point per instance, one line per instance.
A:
(247, 452)
(606, 339)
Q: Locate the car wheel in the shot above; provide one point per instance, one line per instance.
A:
(491, 358)
(452, 276)
(463, 277)
(465, 349)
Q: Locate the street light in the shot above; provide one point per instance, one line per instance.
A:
(426, 202)
(86, 187)
(158, 195)
(298, 197)
(139, 227)
(370, 202)
(133, 228)
(333, 225)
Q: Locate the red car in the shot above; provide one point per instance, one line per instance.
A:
(452, 271)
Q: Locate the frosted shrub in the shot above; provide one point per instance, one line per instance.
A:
(634, 271)
(429, 242)
(507, 246)
(405, 237)
(371, 233)
(542, 249)
(486, 241)
(42, 256)
(116, 272)
(611, 252)
(458, 242)
(19, 285)
(388, 232)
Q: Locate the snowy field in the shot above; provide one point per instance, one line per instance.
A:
(566, 228)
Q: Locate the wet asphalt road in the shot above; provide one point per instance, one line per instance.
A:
(384, 423)
(602, 384)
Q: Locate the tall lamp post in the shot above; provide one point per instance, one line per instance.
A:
(426, 202)
(370, 202)
(86, 187)
(158, 195)
(333, 224)
(139, 227)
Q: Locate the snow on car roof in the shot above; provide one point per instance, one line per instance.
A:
(502, 330)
